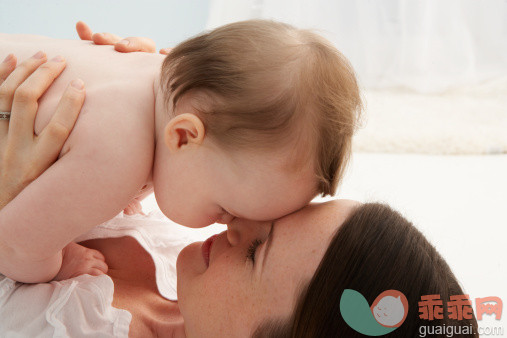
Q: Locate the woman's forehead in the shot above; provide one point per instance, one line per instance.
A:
(300, 240)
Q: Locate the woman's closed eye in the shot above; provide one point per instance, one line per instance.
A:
(252, 249)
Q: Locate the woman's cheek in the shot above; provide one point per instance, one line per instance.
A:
(189, 266)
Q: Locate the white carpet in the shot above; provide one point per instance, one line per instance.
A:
(468, 120)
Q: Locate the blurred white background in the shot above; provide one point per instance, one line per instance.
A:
(434, 75)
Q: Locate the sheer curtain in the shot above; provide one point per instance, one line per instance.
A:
(428, 46)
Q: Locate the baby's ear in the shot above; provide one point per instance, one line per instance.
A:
(183, 130)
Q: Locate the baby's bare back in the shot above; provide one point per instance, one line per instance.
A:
(119, 87)
(108, 156)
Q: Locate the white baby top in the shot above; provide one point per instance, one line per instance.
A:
(81, 306)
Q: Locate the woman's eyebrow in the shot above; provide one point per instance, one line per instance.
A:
(268, 244)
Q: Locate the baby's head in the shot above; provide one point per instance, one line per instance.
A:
(261, 117)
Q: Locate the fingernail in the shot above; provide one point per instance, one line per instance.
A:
(58, 58)
(8, 58)
(124, 42)
(77, 83)
(39, 55)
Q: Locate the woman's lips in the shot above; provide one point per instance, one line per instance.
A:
(206, 248)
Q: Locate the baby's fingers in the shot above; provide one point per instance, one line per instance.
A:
(52, 138)
(135, 44)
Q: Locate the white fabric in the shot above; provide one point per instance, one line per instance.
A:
(78, 307)
(81, 306)
(424, 45)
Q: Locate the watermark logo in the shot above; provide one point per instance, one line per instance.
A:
(459, 307)
(490, 306)
(387, 312)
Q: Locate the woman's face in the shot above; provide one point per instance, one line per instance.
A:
(234, 294)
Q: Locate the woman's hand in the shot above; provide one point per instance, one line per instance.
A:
(24, 155)
(127, 45)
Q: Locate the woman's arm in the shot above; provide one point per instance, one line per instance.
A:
(24, 155)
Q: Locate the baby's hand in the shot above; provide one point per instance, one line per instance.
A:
(78, 260)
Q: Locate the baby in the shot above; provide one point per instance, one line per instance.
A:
(250, 120)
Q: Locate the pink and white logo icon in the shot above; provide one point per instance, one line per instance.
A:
(390, 308)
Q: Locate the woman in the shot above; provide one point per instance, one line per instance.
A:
(264, 279)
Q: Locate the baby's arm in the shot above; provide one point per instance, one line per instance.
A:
(84, 188)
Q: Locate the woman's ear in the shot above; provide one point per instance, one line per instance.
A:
(183, 130)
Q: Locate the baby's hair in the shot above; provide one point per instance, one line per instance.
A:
(269, 84)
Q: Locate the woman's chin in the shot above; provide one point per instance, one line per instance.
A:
(190, 263)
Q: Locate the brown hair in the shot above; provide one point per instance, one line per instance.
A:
(270, 83)
(376, 249)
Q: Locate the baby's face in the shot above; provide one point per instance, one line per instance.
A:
(205, 184)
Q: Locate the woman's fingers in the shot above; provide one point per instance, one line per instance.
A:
(105, 38)
(165, 51)
(7, 66)
(16, 78)
(51, 140)
(23, 156)
(135, 44)
(27, 94)
(84, 31)
(127, 45)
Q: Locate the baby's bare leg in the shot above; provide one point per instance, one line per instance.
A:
(33, 271)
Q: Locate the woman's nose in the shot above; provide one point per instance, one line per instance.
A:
(233, 236)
